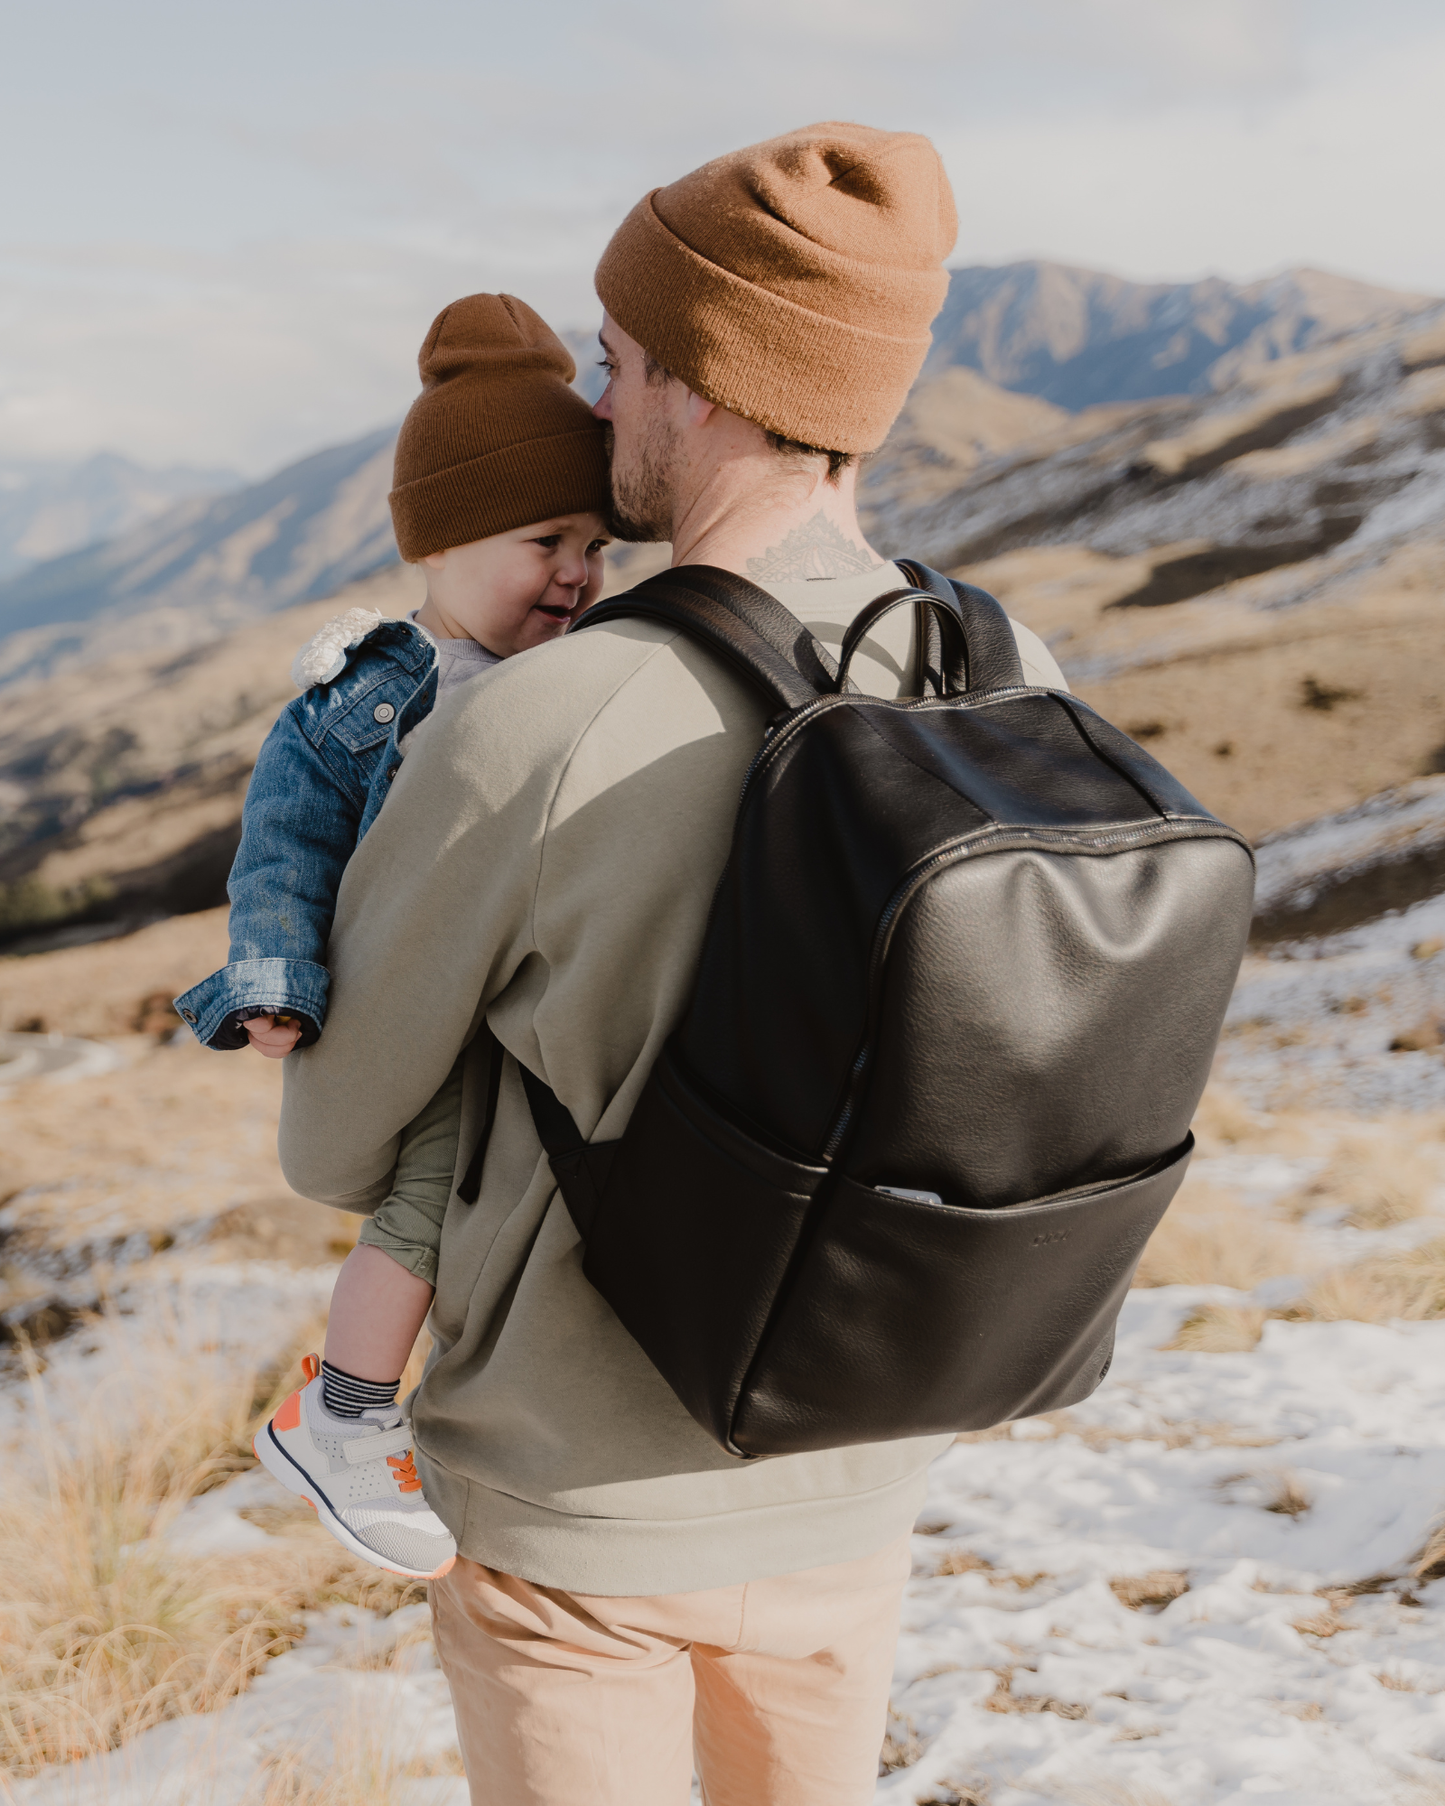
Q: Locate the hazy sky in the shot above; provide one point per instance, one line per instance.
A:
(225, 227)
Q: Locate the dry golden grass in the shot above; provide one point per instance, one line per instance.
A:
(1379, 1179)
(1219, 1329)
(1288, 1497)
(1278, 1490)
(100, 989)
(957, 1793)
(1209, 1238)
(362, 1768)
(1155, 1590)
(178, 1133)
(1408, 1286)
(1431, 1565)
(1223, 1121)
(1004, 1699)
(105, 1627)
(1109, 1793)
(963, 1561)
(902, 1746)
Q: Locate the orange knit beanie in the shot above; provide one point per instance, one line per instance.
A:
(793, 282)
(496, 439)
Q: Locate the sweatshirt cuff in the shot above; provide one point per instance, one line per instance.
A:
(298, 986)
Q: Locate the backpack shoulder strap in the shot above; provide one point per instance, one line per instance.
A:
(751, 630)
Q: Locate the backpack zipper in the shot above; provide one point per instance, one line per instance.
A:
(774, 735)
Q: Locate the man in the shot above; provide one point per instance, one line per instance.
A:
(629, 1597)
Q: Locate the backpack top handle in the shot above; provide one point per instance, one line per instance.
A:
(991, 650)
(954, 656)
(768, 645)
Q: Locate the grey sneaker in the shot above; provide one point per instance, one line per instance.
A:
(358, 1476)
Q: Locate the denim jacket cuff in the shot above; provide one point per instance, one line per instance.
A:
(296, 985)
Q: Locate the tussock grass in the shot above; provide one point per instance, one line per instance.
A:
(1431, 1565)
(363, 1769)
(1288, 1496)
(1209, 1238)
(962, 1561)
(1004, 1699)
(1408, 1285)
(902, 1746)
(1271, 1489)
(1109, 1793)
(957, 1793)
(1219, 1329)
(106, 1627)
(1380, 1180)
(1149, 1591)
(1222, 1121)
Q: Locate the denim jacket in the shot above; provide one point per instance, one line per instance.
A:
(322, 775)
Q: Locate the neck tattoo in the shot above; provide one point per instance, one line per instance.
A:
(816, 549)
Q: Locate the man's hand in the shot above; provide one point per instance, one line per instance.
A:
(273, 1036)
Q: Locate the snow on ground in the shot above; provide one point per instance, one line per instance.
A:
(1192, 1590)
(220, 1313)
(1296, 864)
(324, 1697)
(1022, 1674)
(1311, 1024)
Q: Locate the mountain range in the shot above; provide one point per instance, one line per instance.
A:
(1244, 576)
(1080, 337)
(52, 506)
(1046, 334)
(204, 566)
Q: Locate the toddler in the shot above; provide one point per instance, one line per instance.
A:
(501, 493)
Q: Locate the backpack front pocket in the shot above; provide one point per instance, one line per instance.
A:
(691, 1243)
(908, 1319)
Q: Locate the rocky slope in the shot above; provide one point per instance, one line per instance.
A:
(1246, 579)
(50, 506)
(121, 782)
(205, 566)
(1080, 337)
(1059, 337)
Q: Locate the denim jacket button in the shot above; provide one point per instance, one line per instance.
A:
(190, 1015)
(383, 712)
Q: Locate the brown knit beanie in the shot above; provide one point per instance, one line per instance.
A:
(496, 439)
(792, 282)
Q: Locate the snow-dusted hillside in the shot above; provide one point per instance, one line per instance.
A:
(1222, 1577)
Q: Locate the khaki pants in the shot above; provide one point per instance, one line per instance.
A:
(777, 1689)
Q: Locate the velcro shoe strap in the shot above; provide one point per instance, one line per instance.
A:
(375, 1448)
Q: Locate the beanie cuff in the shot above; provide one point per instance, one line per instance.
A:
(792, 371)
(514, 486)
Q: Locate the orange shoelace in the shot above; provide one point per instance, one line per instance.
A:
(405, 1471)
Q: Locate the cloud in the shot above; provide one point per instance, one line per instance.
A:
(226, 245)
(1234, 186)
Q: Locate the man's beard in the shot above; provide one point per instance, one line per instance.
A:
(641, 503)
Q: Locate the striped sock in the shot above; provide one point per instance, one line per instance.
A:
(346, 1396)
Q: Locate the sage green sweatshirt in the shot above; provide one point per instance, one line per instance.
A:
(546, 860)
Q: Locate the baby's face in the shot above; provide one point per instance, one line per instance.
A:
(516, 589)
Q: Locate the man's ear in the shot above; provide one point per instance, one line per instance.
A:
(698, 409)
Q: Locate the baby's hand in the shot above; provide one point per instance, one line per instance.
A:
(273, 1036)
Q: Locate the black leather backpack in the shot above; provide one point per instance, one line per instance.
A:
(957, 1000)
